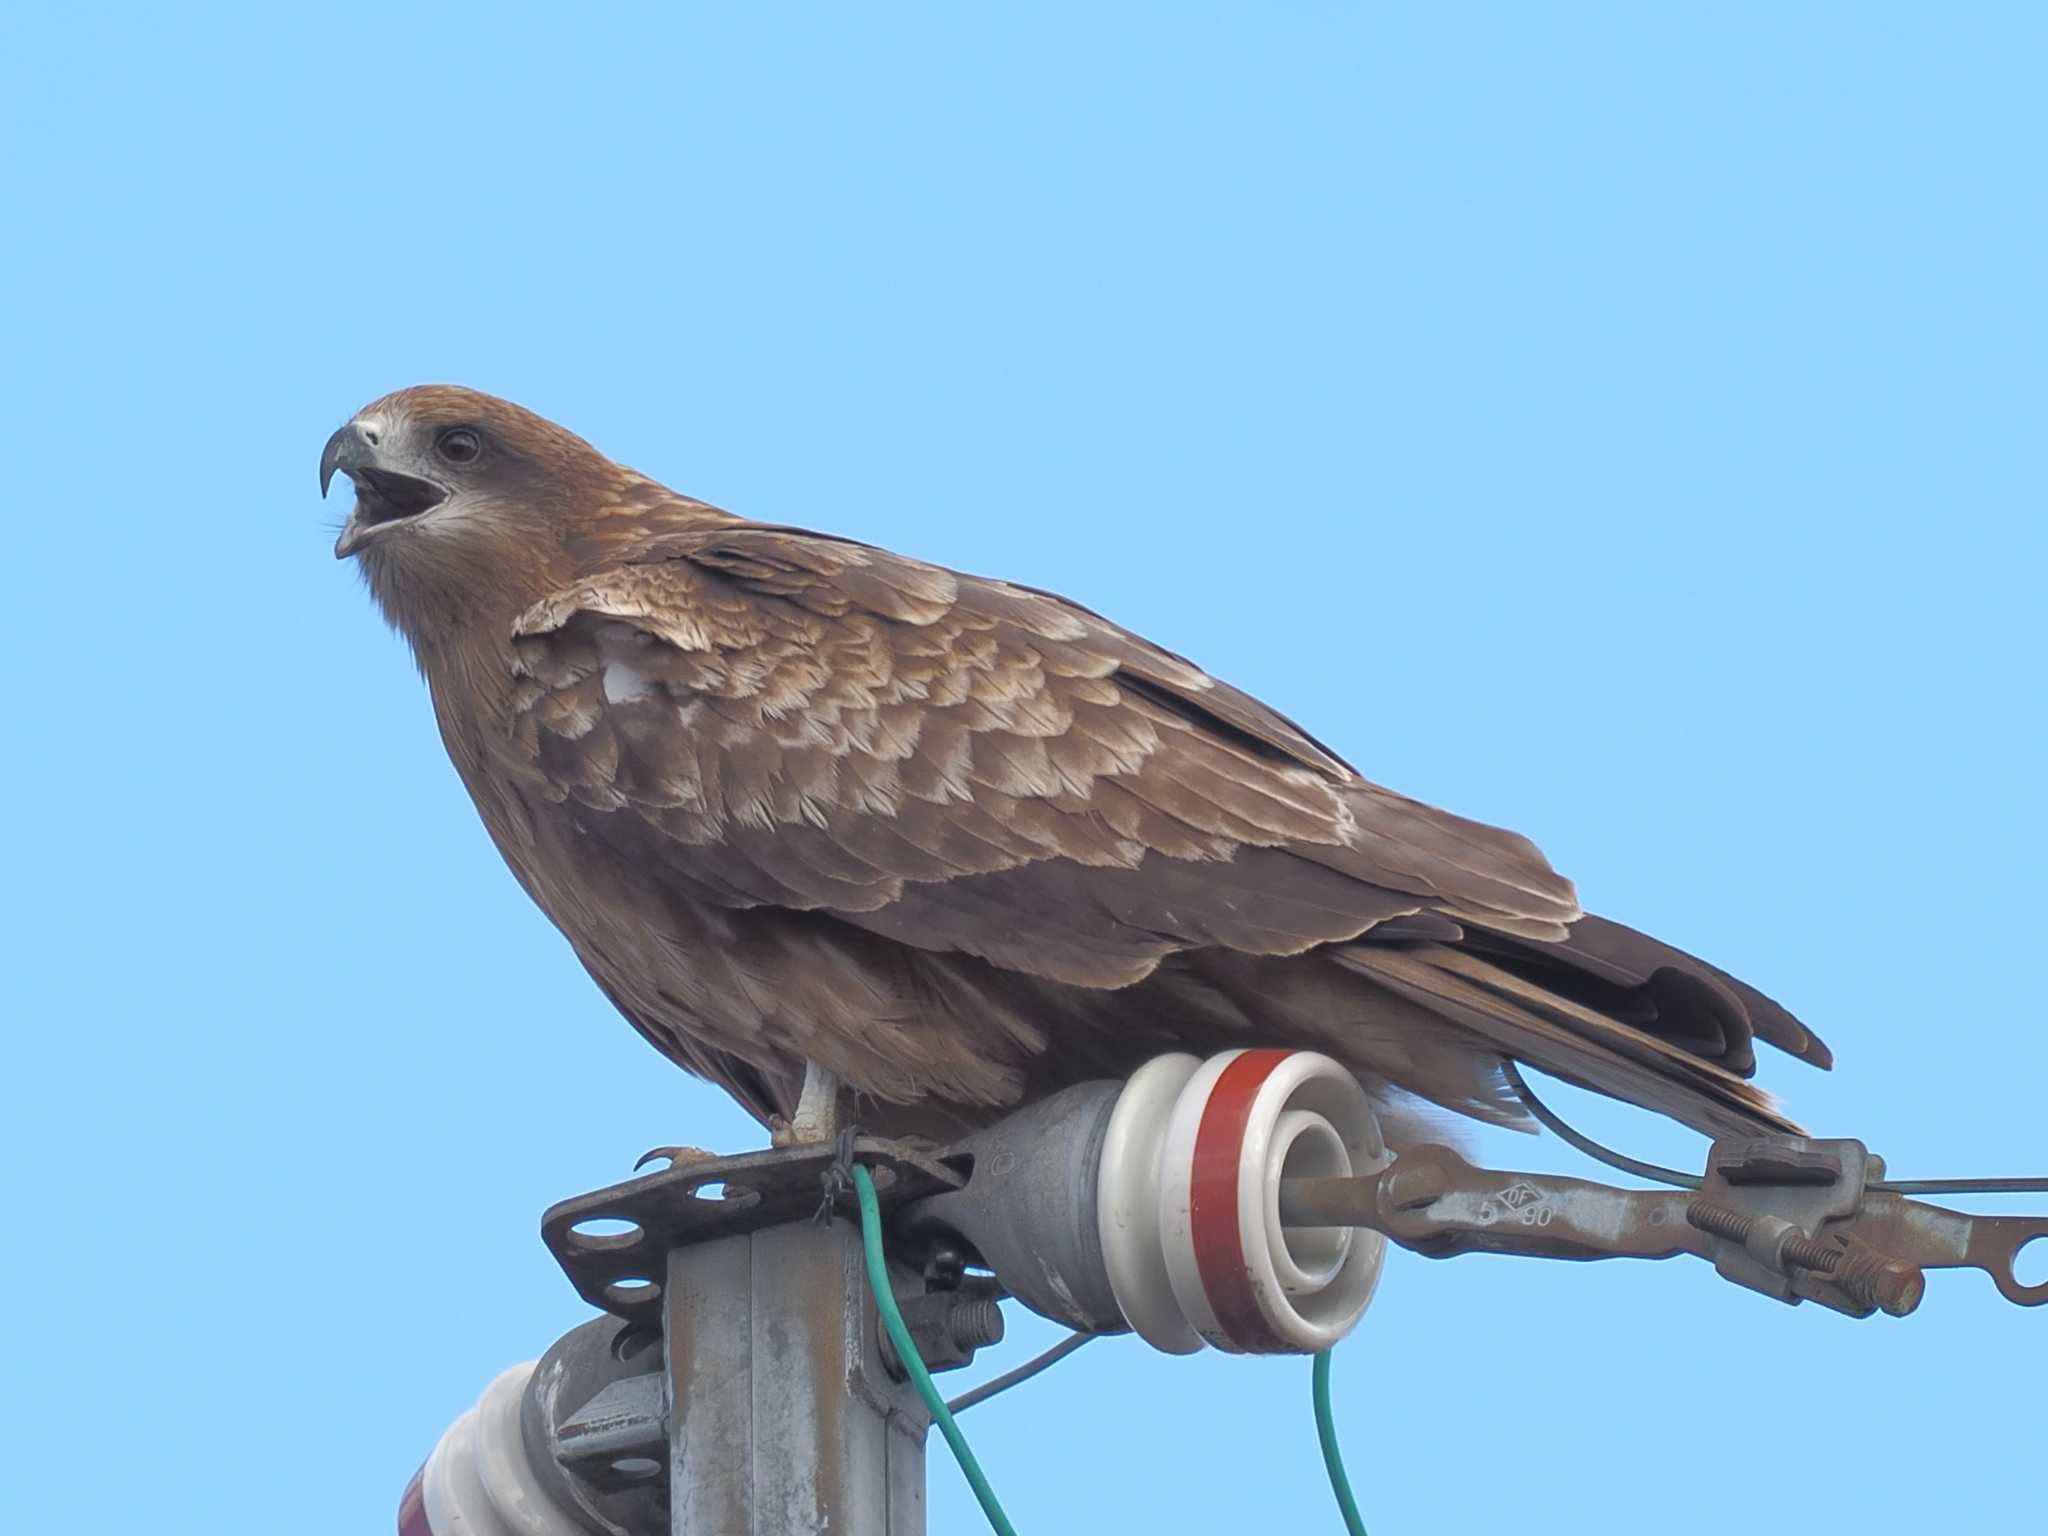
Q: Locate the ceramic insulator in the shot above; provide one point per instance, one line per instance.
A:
(1188, 1202)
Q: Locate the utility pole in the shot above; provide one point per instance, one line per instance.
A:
(773, 1402)
(784, 1417)
(738, 1383)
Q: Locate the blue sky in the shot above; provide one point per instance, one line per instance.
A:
(1621, 423)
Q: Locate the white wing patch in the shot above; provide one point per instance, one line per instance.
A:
(623, 683)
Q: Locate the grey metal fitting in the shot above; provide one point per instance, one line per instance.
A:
(595, 1426)
(947, 1329)
(1029, 1206)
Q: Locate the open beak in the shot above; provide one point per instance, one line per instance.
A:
(384, 497)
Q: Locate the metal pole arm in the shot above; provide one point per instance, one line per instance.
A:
(1433, 1201)
(1794, 1217)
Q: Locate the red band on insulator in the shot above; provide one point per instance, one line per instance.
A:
(412, 1509)
(1213, 1220)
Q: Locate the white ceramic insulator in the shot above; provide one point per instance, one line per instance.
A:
(478, 1481)
(1189, 1202)
(1127, 1204)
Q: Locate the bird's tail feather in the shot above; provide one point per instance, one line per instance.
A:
(1555, 1033)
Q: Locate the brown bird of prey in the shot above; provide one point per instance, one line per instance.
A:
(818, 816)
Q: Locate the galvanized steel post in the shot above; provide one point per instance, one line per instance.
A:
(782, 1416)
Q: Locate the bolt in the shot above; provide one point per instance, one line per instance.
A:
(1737, 1228)
(1865, 1275)
(1719, 1220)
(1875, 1280)
(946, 1327)
(975, 1324)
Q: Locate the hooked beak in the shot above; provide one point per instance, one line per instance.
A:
(384, 497)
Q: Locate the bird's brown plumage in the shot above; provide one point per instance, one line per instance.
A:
(792, 797)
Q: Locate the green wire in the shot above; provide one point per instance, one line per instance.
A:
(906, 1351)
(1333, 1458)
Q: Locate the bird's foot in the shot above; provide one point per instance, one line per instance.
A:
(817, 1111)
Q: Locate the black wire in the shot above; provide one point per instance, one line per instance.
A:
(1962, 1186)
(1586, 1144)
(1024, 1372)
(1614, 1159)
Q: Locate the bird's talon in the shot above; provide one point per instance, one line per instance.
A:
(677, 1156)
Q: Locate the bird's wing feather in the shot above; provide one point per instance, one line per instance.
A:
(759, 717)
(781, 718)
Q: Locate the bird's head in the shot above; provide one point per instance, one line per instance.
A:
(468, 505)
(437, 465)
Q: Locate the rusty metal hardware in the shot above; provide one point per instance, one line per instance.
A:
(699, 1198)
(947, 1327)
(740, 1381)
(1798, 1218)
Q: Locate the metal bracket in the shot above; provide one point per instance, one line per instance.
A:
(740, 1381)
(699, 1198)
(1791, 1216)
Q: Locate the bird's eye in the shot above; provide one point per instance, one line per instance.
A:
(459, 445)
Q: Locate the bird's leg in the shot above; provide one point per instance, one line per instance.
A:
(817, 1109)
